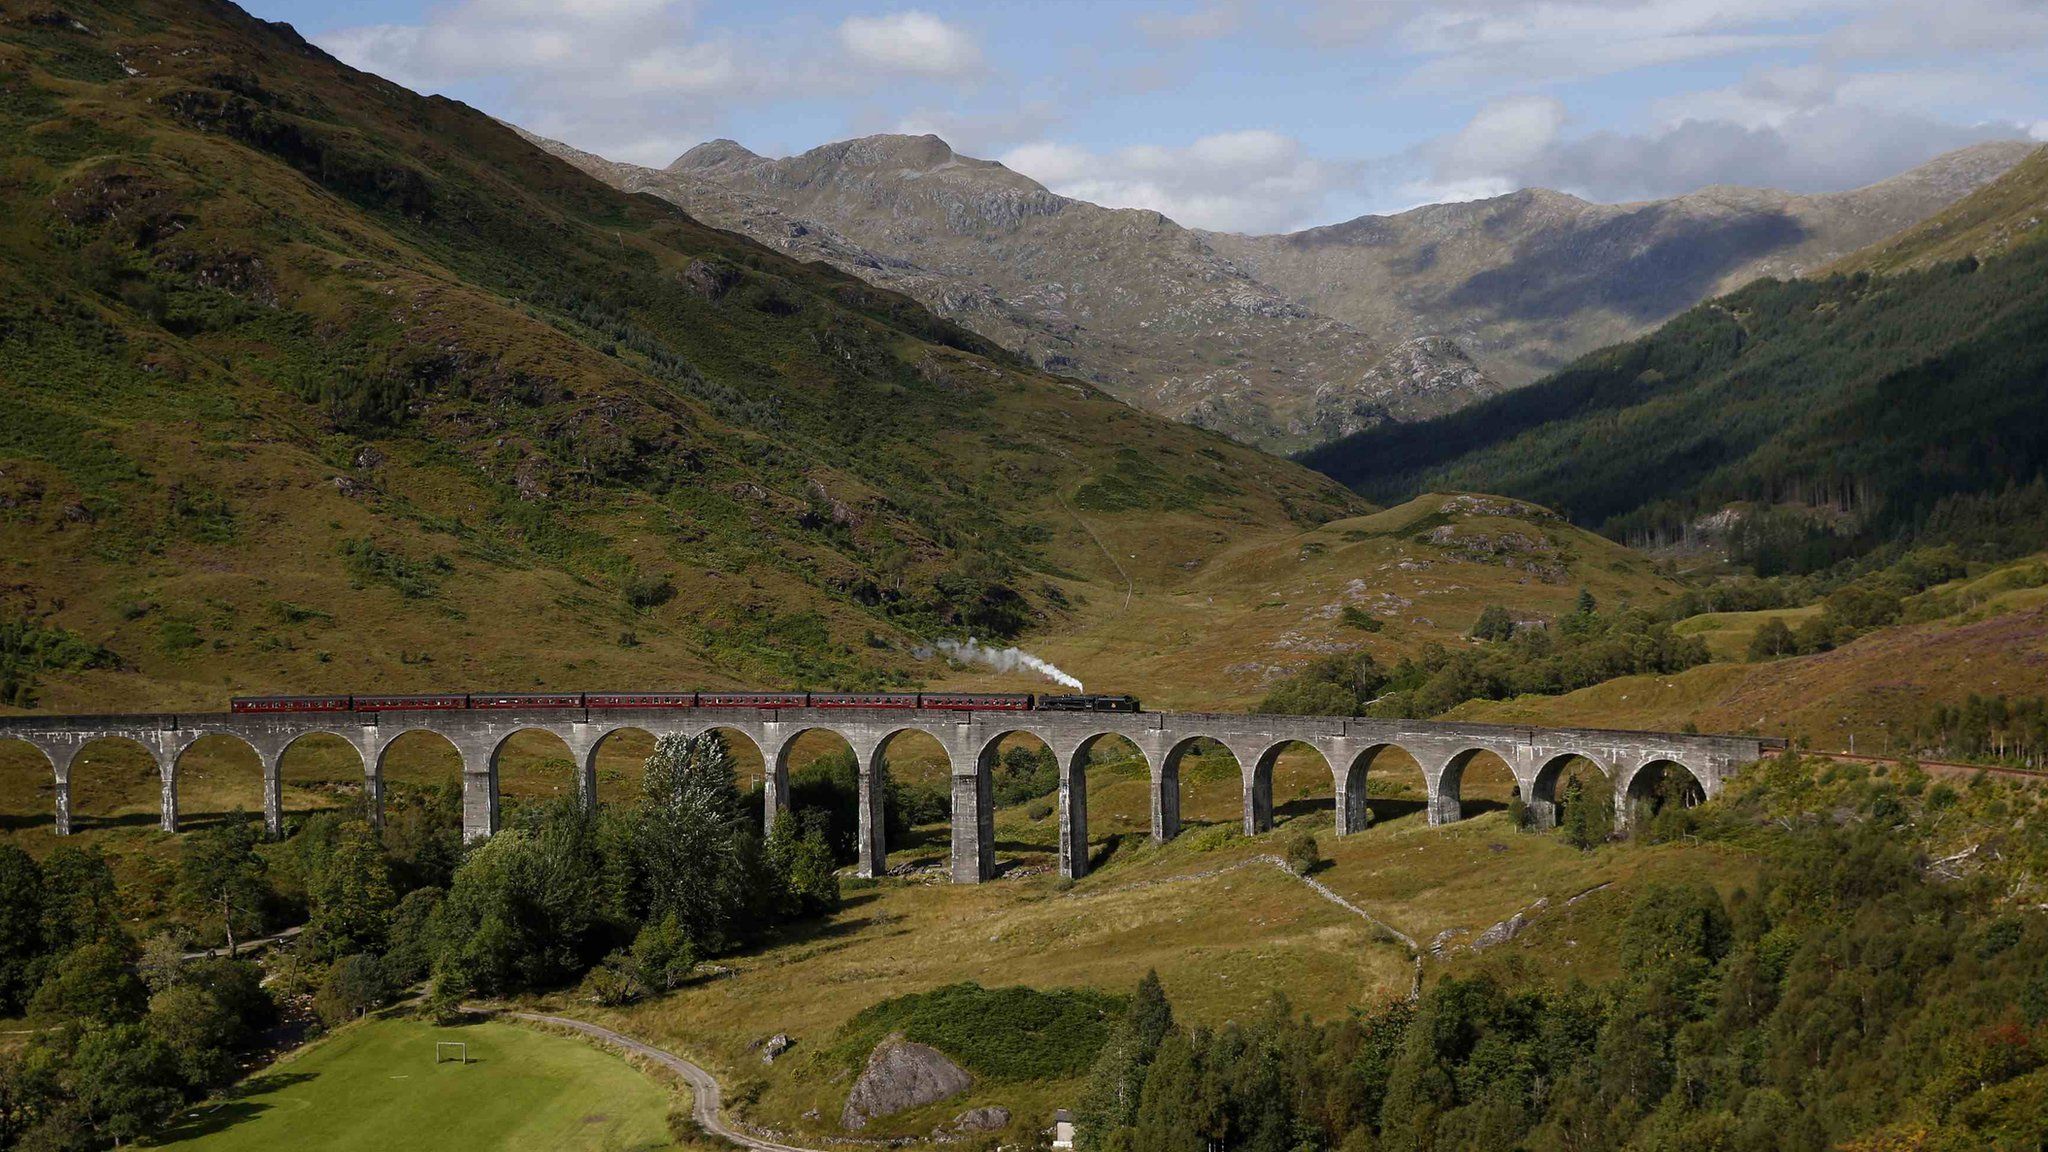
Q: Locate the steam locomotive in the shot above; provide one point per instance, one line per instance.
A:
(541, 701)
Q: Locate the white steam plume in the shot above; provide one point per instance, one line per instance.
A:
(1005, 660)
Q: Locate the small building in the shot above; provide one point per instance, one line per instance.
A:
(1063, 1129)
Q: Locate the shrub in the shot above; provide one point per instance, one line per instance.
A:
(645, 592)
(1301, 853)
(998, 1033)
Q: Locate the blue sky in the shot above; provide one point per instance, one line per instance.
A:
(1249, 116)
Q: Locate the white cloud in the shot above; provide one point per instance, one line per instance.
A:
(1504, 135)
(1245, 181)
(1918, 28)
(912, 42)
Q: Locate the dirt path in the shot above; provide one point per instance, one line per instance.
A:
(703, 1086)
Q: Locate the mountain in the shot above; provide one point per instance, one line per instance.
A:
(313, 383)
(1804, 420)
(1996, 218)
(1124, 298)
(1527, 282)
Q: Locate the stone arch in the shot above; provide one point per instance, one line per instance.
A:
(479, 783)
(870, 844)
(530, 735)
(961, 787)
(1171, 765)
(1263, 785)
(980, 864)
(1447, 800)
(1078, 799)
(79, 754)
(41, 760)
(1638, 794)
(1545, 787)
(182, 765)
(305, 744)
(1354, 796)
(611, 743)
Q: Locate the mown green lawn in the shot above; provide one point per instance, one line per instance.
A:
(375, 1086)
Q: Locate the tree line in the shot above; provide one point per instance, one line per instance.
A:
(1849, 999)
(1583, 648)
(625, 902)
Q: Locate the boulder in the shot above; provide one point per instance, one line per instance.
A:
(900, 1076)
(983, 1119)
(775, 1046)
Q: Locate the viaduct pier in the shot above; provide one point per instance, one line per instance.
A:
(1536, 756)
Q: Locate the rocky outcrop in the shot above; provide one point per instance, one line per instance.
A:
(900, 1076)
(985, 1119)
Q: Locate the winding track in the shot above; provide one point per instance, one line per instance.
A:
(703, 1086)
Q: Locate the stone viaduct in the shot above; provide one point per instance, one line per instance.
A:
(1537, 757)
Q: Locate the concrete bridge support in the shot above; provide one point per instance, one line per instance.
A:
(1073, 812)
(1165, 803)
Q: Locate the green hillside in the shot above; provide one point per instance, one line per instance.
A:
(314, 383)
(1838, 413)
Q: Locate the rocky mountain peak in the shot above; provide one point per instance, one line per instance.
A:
(715, 157)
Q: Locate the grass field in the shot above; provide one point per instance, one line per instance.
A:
(375, 1086)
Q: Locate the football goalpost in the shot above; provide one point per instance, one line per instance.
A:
(460, 1050)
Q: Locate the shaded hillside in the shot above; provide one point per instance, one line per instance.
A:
(1526, 282)
(1863, 408)
(315, 383)
(1125, 298)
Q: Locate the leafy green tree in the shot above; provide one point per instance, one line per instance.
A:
(1588, 814)
(21, 927)
(92, 982)
(1773, 638)
(80, 903)
(1495, 623)
(161, 963)
(198, 1031)
(694, 842)
(1108, 1107)
(355, 986)
(663, 956)
(531, 906)
(800, 865)
(352, 895)
(221, 873)
(125, 1081)
(1675, 924)
(409, 955)
(1335, 685)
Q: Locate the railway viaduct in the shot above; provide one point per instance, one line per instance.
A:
(1537, 757)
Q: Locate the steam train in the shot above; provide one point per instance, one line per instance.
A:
(541, 701)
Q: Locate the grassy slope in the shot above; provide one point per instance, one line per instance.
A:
(1269, 604)
(518, 398)
(375, 1086)
(1987, 634)
(1221, 941)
